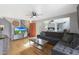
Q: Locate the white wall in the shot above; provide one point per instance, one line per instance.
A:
(73, 22)
(38, 27)
(7, 27)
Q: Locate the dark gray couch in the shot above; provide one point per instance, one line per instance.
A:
(67, 46)
(64, 43)
(52, 37)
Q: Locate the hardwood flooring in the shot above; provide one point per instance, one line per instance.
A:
(18, 48)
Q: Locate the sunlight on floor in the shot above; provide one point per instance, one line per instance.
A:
(28, 44)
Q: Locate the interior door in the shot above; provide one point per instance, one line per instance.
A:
(32, 29)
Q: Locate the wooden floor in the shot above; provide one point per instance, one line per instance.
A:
(18, 48)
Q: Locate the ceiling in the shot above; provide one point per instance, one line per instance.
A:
(43, 10)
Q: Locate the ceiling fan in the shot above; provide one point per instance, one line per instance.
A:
(34, 14)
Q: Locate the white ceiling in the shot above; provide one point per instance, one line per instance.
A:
(46, 10)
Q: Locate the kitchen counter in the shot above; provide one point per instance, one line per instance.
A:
(3, 37)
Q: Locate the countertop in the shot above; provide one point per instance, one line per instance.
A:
(3, 36)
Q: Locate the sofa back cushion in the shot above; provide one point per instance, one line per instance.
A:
(71, 40)
(75, 41)
(67, 38)
(54, 34)
(42, 34)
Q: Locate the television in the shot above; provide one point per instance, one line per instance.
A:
(20, 30)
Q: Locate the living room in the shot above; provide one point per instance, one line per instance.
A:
(38, 29)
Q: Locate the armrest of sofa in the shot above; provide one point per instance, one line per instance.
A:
(61, 49)
(77, 48)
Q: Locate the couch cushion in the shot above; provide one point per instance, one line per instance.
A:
(67, 38)
(75, 41)
(42, 34)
